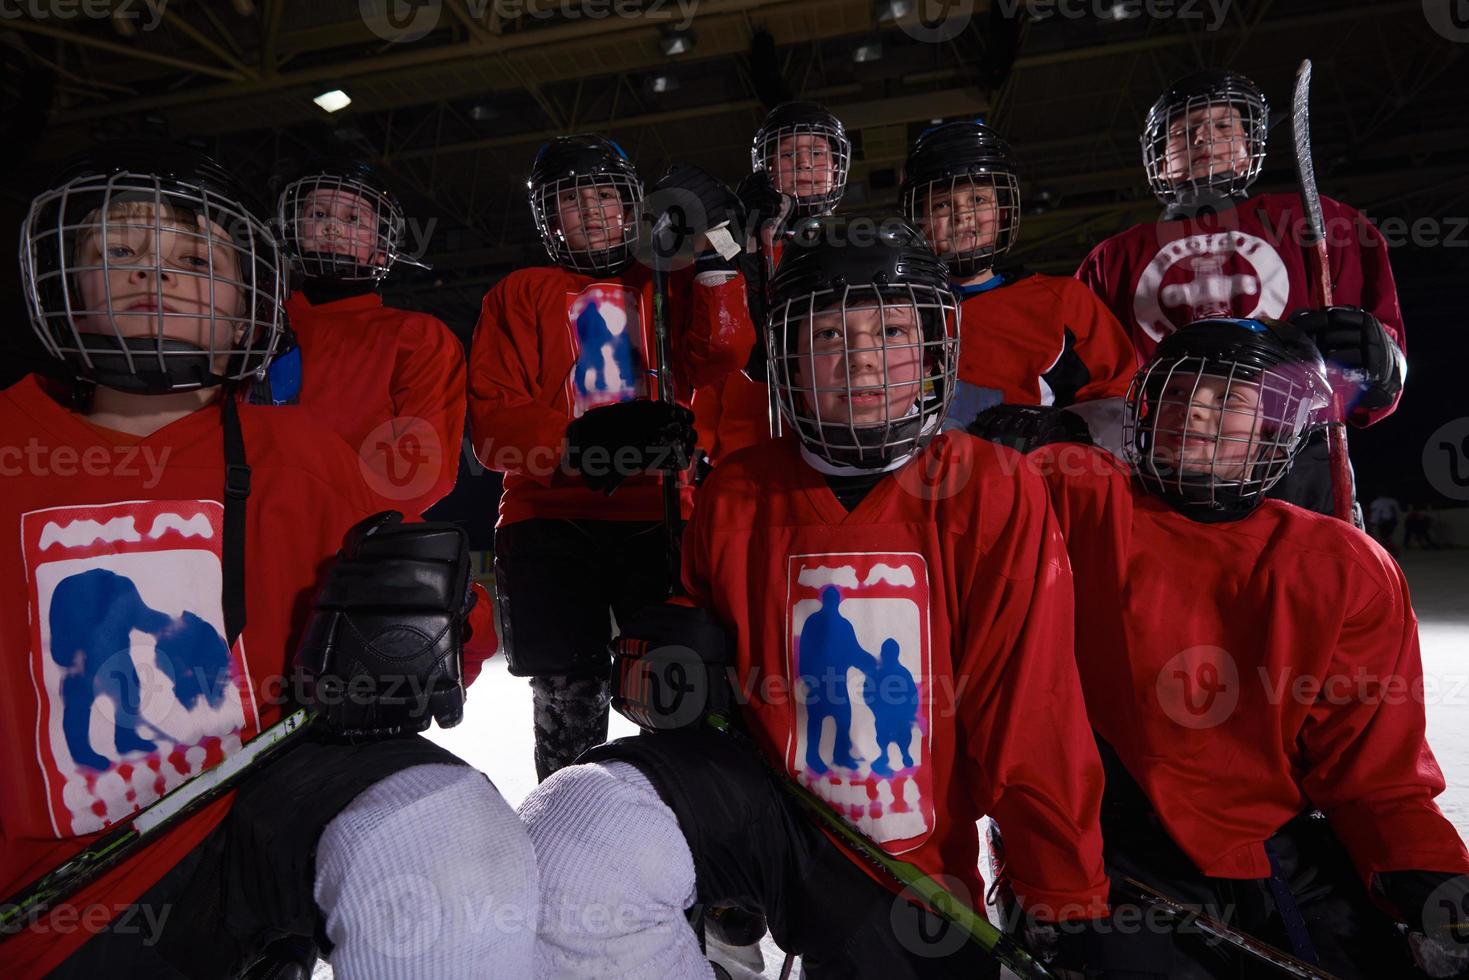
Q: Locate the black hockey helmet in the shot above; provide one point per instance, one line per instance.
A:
(570, 164)
(827, 271)
(1216, 416)
(950, 159)
(168, 220)
(1232, 151)
(315, 206)
(796, 120)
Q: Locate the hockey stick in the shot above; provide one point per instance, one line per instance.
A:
(1318, 262)
(672, 512)
(933, 894)
(41, 895)
(1247, 944)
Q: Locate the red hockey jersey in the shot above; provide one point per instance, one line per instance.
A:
(1042, 340)
(910, 661)
(731, 413)
(391, 382)
(1250, 670)
(551, 344)
(1245, 262)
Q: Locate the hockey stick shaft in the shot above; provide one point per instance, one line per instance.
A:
(43, 894)
(1319, 263)
(1263, 951)
(930, 892)
(672, 511)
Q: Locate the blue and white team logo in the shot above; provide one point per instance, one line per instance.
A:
(136, 685)
(611, 363)
(859, 647)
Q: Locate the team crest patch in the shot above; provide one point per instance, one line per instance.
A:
(1225, 273)
(135, 685)
(611, 366)
(858, 645)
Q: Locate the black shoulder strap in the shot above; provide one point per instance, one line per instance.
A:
(236, 489)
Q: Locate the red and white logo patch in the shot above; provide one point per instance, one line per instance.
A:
(858, 646)
(1225, 273)
(135, 685)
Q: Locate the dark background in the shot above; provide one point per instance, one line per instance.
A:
(454, 117)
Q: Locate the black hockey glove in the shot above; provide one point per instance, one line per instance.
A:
(1027, 427)
(1435, 906)
(382, 653)
(700, 205)
(670, 667)
(1363, 360)
(611, 443)
(763, 204)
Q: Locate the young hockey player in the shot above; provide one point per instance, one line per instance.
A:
(1218, 252)
(166, 539)
(1029, 339)
(390, 381)
(560, 383)
(799, 161)
(896, 610)
(1252, 673)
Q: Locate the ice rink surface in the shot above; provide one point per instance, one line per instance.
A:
(496, 733)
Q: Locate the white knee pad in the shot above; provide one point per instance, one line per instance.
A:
(616, 877)
(428, 875)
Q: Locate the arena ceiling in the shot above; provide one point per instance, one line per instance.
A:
(452, 97)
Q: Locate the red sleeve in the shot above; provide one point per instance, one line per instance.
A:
(1094, 274)
(1362, 276)
(510, 419)
(718, 334)
(1029, 745)
(483, 643)
(1367, 763)
(428, 384)
(1101, 343)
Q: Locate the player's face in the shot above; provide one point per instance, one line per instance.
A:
(961, 218)
(337, 222)
(170, 276)
(591, 216)
(1210, 140)
(867, 372)
(1209, 424)
(804, 165)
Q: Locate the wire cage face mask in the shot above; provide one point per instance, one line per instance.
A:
(151, 284)
(864, 373)
(971, 219)
(341, 228)
(1207, 145)
(1216, 434)
(814, 157)
(604, 208)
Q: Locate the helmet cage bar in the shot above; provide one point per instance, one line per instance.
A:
(51, 270)
(765, 155)
(1221, 178)
(1237, 468)
(1004, 192)
(316, 263)
(900, 430)
(546, 208)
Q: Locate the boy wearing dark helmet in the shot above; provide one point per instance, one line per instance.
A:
(154, 611)
(897, 613)
(1030, 339)
(562, 373)
(390, 381)
(1250, 669)
(1216, 251)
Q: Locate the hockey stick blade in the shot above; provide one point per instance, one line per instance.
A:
(1300, 124)
(92, 861)
(1281, 960)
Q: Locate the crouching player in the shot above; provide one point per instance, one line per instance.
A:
(166, 537)
(1253, 675)
(897, 611)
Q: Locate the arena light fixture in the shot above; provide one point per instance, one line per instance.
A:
(870, 51)
(675, 42)
(333, 100)
(892, 9)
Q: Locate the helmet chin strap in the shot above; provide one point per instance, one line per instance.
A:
(826, 466)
